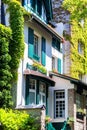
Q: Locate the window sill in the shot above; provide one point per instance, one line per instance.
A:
(58, 120)
(31, 106)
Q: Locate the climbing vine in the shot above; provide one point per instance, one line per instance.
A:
(78, 21)
(16, 46)
(5, 74)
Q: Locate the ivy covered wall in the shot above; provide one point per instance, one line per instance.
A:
(16, 45)
(78, 22)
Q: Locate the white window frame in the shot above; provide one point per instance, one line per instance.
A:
(43, 12)
(60, 99)
(35, 44)
(33, 91)
(42, 94)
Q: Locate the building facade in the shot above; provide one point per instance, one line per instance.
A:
(46, 59)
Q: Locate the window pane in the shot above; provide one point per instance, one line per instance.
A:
(32, 91)
(53, 63)
(42, 87)
(32, 84)
(35, 45)
(79, 101)
(31, 98)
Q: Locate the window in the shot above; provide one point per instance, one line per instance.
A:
(80, 48)
(35, 45)
(53, 63)
(32, 91)
(56, 43)
(79, 101)
(39, 7)
(42, 93)
(33, 3)
(60, 104)
(56, 64)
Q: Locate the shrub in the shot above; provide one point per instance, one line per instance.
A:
(16, 120)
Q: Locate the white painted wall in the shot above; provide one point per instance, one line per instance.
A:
(61, 84)
(39, 31)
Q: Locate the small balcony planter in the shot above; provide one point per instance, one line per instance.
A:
(70, 121)
(39, 67)
(80, 114)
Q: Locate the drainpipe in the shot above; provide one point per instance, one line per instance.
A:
(2, 14)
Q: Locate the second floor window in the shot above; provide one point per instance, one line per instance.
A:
(35, 45)
(56, 64)
(80, 48)
(56, 43)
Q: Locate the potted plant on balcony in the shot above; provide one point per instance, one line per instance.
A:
(70, 121)
(80, 113)
(39, 67)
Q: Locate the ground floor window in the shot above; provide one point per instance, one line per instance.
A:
(35, 92)
(59, 104)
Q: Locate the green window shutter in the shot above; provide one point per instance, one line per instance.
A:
(59, 65)
(27, 91)
(43, 51)
(30, 42)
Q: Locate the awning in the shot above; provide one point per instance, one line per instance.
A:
(49, 80)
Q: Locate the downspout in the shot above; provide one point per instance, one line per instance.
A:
(2, 14)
